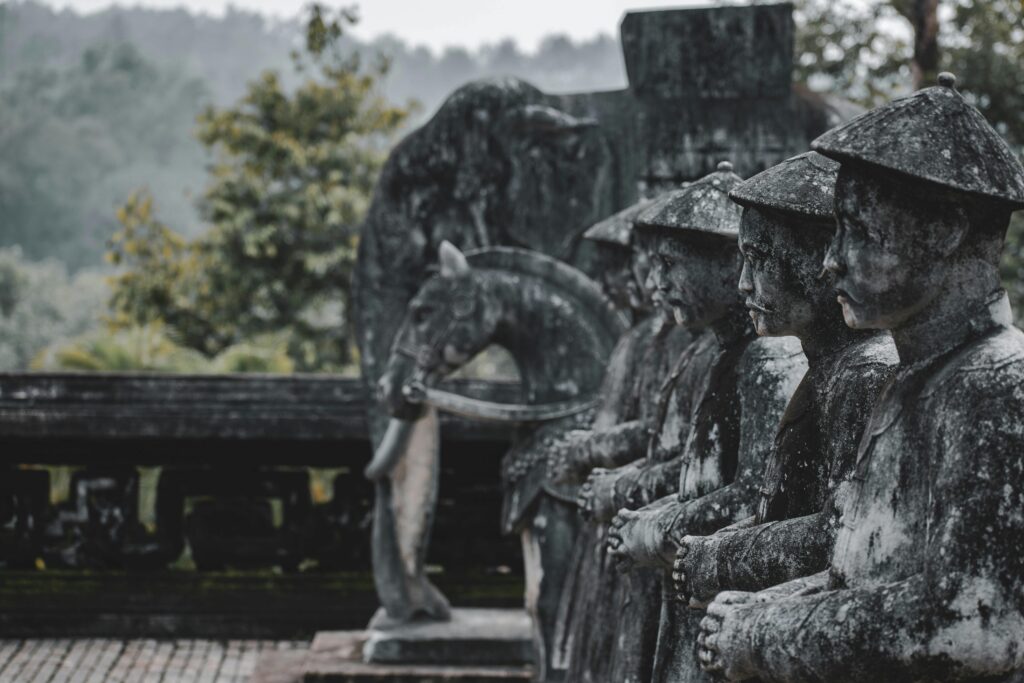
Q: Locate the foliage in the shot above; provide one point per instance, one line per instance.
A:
(293, 177)
(856, 48)
(150, 349)
(40, 304)
(866, 50)
(75, 141)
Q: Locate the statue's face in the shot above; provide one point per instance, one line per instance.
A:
(695, 276)
(617, 276)
(891, 252)
(780, 282)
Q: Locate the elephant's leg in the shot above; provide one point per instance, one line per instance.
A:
(548, 542)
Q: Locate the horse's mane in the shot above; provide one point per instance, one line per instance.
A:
(564, 278)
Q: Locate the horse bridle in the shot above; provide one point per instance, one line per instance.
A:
(417, 392)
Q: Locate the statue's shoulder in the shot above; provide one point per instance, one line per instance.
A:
(865, 360)
(989, 369)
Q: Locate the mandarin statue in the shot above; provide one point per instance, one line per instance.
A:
(787, 225)
(926, 575)
(633, 380)
(741, 396)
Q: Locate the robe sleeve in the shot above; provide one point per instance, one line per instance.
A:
(755, 558)
(647, 483)
(618, 445)
(765, 389)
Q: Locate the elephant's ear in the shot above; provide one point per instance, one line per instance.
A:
(538, 118)
(453, 261)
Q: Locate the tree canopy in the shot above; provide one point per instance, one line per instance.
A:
(293, 175)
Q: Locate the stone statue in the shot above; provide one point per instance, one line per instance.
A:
(787, 226)
(927, 576)
(614, 637)
(619, 435)
(560, 329)
(742, 400)
(499, 164)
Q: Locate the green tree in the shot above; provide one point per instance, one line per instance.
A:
(874, 50)
(75, 141)
(293, 176)
(149, 349)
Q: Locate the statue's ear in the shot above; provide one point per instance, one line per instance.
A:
(539, 118)
(453, 261)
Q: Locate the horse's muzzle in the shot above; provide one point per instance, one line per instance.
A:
(391, 396)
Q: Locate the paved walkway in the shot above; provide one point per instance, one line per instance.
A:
(133, 661)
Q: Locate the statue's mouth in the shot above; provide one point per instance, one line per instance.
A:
(756, 307)
(844, 297)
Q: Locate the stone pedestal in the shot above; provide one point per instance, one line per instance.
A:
(473, 636)
(476, 646)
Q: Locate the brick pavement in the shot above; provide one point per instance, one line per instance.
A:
(108, 660)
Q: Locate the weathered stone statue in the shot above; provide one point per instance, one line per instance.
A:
(787, 226)
(927, 576)
(619, 435)
(560, 329)
(749, 380)
(499, 164)
(616, 640)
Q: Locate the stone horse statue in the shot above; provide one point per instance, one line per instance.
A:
(560, 329)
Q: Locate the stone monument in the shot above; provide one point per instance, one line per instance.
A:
(787, 226)
(926, 577)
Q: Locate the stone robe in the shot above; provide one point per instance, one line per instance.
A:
(928, 569)
(723, 463)
(815, 450)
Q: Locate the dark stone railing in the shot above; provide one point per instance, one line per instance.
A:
(200, 489)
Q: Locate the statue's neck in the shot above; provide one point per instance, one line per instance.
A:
(825, 338)
(956, 315)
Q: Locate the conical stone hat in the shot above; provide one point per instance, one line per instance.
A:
(617, 229)
(702, 206)
(803, 185)
(934, 135)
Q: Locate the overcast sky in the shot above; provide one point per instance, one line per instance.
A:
(438, 23)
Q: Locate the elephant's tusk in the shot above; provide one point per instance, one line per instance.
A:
(500, 412)
(390, 450)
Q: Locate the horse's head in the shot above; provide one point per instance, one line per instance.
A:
(446, 324)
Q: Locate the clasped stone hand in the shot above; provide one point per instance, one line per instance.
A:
(722, 646)
(635, 538)
(596, 498)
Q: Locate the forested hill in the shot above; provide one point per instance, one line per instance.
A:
(97, 105)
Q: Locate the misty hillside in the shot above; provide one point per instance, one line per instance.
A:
(96, 106)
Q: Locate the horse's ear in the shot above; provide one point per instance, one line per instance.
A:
(453, 261)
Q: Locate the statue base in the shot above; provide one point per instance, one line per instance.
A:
(472, 636)
(476, 646)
